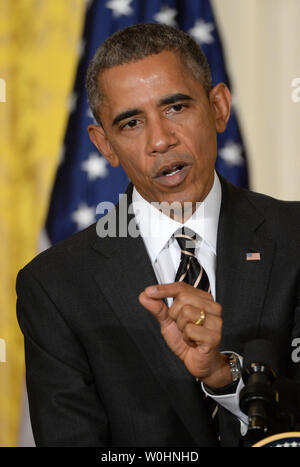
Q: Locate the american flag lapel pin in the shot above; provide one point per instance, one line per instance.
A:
(253, 256)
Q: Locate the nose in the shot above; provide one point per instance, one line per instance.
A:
(161, 136)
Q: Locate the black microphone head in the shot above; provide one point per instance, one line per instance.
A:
(262, 352)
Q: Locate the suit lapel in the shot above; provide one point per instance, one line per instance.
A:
(241, 284)
(125, 272)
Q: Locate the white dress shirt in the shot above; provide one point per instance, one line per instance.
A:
(157, 231)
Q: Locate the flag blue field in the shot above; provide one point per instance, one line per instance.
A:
(84, 179)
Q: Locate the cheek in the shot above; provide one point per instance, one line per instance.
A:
(134, 164)
(198, 128)
(126, 154)
(201, 142)
(133, 157)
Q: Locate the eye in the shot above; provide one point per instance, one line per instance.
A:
(176, 108)
(128, 125)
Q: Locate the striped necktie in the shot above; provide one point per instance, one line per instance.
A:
(191, 272)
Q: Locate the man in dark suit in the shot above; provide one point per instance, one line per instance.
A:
(121, 349)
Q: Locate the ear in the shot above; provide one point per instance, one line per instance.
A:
(99, 139)
(220, 101)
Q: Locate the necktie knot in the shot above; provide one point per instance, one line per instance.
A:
(186, 239)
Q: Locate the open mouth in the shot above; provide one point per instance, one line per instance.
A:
(172, 171)
(173, 174)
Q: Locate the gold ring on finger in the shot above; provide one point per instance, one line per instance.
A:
(201, 320)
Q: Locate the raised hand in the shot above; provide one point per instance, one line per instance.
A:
(195, 344)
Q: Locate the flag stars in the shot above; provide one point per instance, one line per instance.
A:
(83, 216)
(202, 32)
(231, 153)
(120, 7)
(166, 16)
(95, 166)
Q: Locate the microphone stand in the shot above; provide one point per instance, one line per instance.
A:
(269, 402)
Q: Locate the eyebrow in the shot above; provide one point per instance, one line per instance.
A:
(126, 114)
(172, 99)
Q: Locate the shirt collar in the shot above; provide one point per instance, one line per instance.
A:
(157, 228)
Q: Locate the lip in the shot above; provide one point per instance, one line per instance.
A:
(173, 180)
(168, 167)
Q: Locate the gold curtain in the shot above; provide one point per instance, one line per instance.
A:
(39, 48)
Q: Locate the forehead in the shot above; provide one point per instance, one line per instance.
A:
(146, 80)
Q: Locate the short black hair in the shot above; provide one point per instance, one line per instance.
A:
(136, 42)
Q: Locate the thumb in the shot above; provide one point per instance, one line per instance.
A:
(157, 307)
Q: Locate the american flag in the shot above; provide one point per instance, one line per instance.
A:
(84, 178)
(253, 256)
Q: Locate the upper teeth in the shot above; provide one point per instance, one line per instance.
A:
(175, 170)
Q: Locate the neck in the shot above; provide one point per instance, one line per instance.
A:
(179, 212)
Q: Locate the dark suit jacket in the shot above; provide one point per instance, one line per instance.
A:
(99, 371)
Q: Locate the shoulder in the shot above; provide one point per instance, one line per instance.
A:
(77, 250)
(278, 215)
(62, 258)
(261, 201)
(269, 205)
(276, 210)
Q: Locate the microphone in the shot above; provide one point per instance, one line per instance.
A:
(259, 398)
